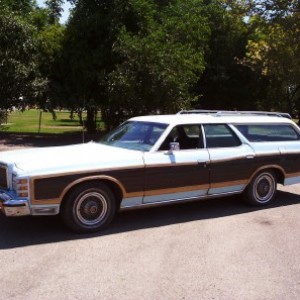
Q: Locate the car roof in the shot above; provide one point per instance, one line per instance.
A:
(211, 119)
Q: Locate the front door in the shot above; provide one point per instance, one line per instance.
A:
(177, 174)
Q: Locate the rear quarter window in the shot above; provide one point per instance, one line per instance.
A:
(268, 132)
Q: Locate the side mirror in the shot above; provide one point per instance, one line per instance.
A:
(174, 146)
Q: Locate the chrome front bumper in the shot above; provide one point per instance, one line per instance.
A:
(13, 207)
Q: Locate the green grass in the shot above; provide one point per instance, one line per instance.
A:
(28, 122)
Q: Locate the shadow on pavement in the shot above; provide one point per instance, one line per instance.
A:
(26, 231)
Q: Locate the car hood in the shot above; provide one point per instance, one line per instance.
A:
(81, 157)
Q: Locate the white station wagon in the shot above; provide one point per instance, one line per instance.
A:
(153, 160)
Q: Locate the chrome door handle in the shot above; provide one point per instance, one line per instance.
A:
(205, 163)
(250, 156)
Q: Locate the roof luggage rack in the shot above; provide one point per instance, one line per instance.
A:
(218, 113)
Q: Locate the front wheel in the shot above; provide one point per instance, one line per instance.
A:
(262, 189)
(89, 207)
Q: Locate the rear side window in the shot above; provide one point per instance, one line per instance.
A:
(220, 135)
(269, 132)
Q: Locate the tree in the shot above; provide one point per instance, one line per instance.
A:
(86, 57)
(48, 35)
(135, 56)
(273, 51)
(20, 7)
(161, 58)
(30, 43)
(16, 59)
(47, 83)
(55, 10)
(227, 84)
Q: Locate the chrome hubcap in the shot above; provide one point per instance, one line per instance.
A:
(91, 208)
(264, 187)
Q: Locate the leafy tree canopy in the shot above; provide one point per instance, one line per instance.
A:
(55, 10)
(21, 7)
(136, 56)
(273, 51)
(16, 59)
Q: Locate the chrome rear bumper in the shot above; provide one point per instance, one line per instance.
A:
(13, 207)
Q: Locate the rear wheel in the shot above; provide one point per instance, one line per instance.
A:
(262, 189)
(89, 207)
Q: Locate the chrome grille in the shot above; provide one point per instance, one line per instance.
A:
(3, 177)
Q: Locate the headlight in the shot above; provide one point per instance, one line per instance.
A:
(21, 187)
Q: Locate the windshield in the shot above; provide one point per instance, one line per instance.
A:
(134, 135)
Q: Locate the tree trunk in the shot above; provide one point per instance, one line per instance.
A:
(90, 123)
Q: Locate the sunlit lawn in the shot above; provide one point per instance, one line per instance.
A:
(28, 122)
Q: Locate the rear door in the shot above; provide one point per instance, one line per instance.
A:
(231, 161)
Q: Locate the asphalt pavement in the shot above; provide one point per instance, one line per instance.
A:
(214, 249)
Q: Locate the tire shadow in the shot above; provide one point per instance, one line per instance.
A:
(26, 231)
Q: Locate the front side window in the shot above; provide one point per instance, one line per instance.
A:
(268, 132)
(220, 135)
(189, 136)
(134, 135)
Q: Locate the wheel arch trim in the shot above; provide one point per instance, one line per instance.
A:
(99, 178)
(268, 167)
